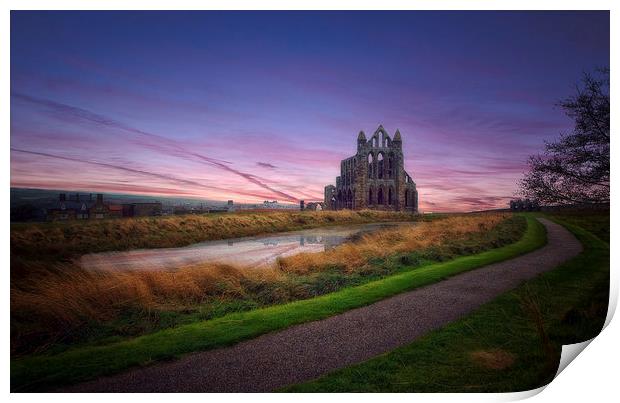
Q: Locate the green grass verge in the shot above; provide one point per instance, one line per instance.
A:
(512, 343)
(79, 364)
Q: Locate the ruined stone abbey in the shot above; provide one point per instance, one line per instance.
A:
(374, 178)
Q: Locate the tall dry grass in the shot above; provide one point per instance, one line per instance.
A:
(64, 298)
(67, 298)
(353, 256)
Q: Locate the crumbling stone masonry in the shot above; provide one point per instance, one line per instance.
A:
(374, 178)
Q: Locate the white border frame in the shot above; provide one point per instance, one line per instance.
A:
(593, 376)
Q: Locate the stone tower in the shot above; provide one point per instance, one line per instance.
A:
(375, 177)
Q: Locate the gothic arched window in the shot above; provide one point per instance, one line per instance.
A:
(380, 166)
(390, 166)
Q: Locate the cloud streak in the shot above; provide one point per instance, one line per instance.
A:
(168, 178)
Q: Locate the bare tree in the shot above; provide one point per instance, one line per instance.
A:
(575, 168)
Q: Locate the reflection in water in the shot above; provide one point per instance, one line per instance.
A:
(249, 251)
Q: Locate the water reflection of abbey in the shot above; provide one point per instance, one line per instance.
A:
(328, 241)
(374, 177)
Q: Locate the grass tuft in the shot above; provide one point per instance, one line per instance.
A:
(496, 358)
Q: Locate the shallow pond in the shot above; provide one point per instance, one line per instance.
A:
(258, 251)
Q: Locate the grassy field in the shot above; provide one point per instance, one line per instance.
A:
(510, 344)
(46, 370)
(65, 305)
(45, 313)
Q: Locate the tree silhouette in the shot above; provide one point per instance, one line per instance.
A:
(575, 168)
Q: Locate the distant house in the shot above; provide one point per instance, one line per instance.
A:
(82, 208)
(99, 210)
(115, 211)
(65, 209)
(81, 211)
(141, 209)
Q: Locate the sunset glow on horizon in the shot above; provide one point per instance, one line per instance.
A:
(256, 106)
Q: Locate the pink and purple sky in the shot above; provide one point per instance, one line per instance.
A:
(256, 106)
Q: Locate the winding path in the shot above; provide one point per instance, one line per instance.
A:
(307, 351)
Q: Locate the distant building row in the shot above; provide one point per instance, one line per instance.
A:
(87, 208)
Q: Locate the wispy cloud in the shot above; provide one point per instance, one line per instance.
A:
(167, 178)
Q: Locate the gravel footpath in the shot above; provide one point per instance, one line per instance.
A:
(307, 351)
